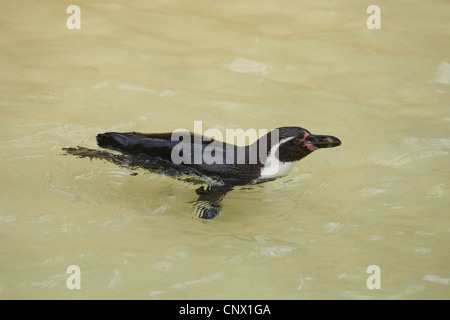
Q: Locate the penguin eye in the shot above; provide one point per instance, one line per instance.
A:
(299, 139)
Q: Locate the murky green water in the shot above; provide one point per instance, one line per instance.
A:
(381, 198)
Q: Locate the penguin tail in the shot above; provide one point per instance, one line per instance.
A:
(82, 152)
(112, 140)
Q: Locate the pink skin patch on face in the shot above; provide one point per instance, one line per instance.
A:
(307, 144)
(310, 146)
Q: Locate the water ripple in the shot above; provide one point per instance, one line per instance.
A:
(437, 279)
(418, 148)
(242, 65)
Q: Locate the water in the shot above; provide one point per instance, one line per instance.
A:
(379, 199)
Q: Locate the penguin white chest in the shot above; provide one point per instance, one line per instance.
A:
(273, 166)
(276, 170)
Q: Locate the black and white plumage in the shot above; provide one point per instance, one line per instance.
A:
(219, 165)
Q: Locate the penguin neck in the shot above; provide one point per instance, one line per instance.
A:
(273, 166)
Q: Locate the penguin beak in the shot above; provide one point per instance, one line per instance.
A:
(318, 141)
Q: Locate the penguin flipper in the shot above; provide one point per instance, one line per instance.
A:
(209, 202)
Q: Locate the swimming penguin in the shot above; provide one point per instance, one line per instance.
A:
(219, 165)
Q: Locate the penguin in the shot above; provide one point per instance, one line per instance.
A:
(218, 165)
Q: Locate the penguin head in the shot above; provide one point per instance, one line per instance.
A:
(296, 143)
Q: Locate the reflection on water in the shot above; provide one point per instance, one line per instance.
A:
(379, 199)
